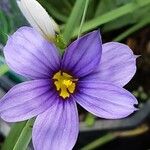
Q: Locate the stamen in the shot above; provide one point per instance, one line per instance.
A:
(64, 83)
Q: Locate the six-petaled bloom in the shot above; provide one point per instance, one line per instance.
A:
(88, 73)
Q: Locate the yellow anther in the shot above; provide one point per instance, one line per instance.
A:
(67, 83)
(64, 83)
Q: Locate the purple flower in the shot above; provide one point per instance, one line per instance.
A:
(89, 73)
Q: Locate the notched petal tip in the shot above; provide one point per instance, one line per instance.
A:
(95, 33)
(136, 109)
(137, 56)
(106, 100)
(117, 65)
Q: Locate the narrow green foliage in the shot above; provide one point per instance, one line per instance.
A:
(74, 19)
(53, 11)
(25, 136)
(128, 19)
(3, 27)
(104, 6)
(16, 16)
(112, 15)
(14, 133)
(83, 17)
(134, 28)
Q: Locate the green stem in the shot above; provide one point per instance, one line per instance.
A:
(131, 30)
(112, 15)
(101, 141)
(25, 136)
(73, 20)
(83, 17)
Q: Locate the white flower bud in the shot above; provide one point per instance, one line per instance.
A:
(38, 18)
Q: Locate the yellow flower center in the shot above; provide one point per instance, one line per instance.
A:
(64, 83)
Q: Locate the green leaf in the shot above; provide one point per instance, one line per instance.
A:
(14, 133)
(83, 16)
(91, 9)
(104, 6)
(61, 6)
(127, 19)
(3, 27)
(53, 11)
(74, 19)
(107, 5)
(19, 136)
(132, 29)
(112, 15)
(25, 136)
(16, 15)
